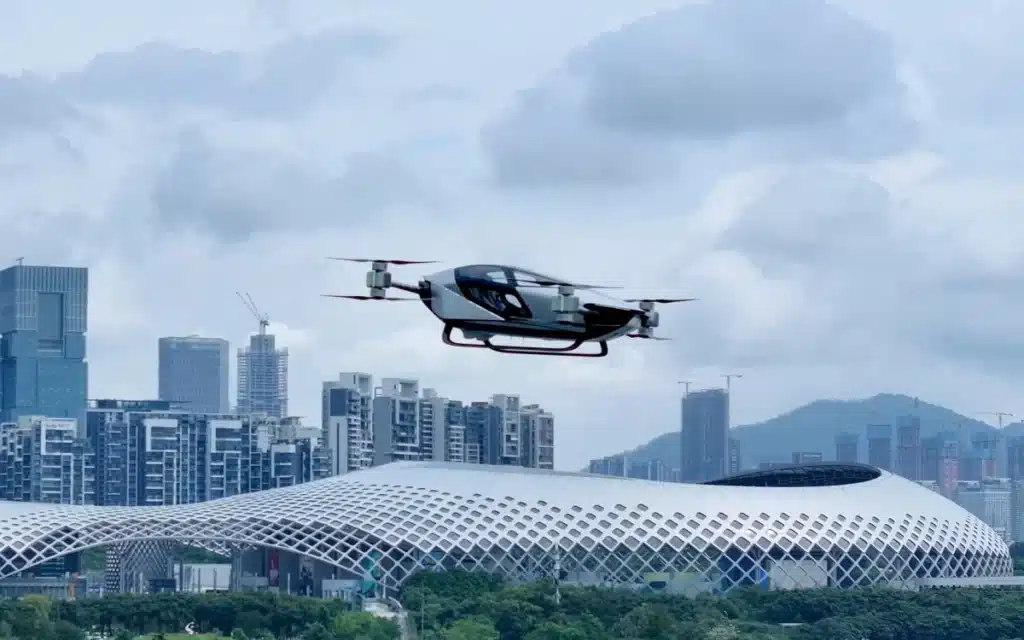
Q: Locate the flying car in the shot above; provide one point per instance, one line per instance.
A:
(485, 301)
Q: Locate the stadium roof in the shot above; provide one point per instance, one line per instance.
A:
(429, 507)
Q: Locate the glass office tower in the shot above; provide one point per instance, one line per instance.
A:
(43, 319)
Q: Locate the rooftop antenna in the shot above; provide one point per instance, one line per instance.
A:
(250, 304)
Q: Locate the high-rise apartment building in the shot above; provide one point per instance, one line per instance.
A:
(1015, 470)
(502, 439)
(989, 501)
(263, 377)
(43, 322)
(705, 435)
(735, 456)
(193, 372)
(908, 447)
(848, 447)
(478, 417)
(43, 460)
(396, 421)
(434, 426)
(880, 446)
(150, 454)
(367, 424)
(537, 433)
(347, 421)
(940, 460)
(986, 446)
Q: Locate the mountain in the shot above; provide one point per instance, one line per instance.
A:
(813, 427)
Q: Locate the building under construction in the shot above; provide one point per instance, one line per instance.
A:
(262, 371)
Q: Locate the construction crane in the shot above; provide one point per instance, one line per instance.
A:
(728, 380)
(989, 443)
(250, 304)
(686, 385)
(999, 415)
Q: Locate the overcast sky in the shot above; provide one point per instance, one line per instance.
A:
(840, 184)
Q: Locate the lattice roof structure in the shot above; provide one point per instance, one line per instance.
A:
(841, 525)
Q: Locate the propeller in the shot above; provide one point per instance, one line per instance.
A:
(660, 300)
(645, 337)
(395, 262)
(531, 282)
(366, 298)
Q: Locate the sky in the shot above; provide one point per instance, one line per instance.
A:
(835, 182)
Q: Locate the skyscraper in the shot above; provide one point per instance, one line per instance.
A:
(940, 460)
(43, 321)
(194, 372)
(908, 453)
(847, 447)
(705, 435)
(263, 377)
(880, 446)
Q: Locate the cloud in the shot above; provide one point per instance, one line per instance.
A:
(29, 104)
(233, 193)
(814, 218)
(285, 80)
(768, 78)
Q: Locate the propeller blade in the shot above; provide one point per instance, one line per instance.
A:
(365, 298)
(660, 300)
(395, 262)
(521, 282)
(643, 337)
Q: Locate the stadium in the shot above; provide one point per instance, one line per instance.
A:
(837, 525)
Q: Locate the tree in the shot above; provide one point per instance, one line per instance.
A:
(550, 630)
(471, 629)
(363, 626)
(317, 631)
(64, 630)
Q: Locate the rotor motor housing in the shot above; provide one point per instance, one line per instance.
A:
(652, 319)
(378, 282)
(567, 306)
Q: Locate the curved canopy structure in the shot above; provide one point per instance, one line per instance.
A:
(387, 522)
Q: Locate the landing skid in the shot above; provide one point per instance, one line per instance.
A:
(568, 351)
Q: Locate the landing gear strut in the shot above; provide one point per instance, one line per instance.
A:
(569, 351)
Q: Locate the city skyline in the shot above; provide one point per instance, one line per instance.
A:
(391, 134)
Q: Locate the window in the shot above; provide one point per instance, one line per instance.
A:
(491, 273)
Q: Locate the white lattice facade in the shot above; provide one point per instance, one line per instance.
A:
(390, 521)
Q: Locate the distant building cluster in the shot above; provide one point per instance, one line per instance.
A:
(366, 425)
(190, 445)
(980, 471)
(983, 472)
(707, 452)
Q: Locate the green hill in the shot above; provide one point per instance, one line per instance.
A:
(813, 427)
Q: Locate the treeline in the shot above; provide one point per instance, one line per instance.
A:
(463, 606)
(242, 616)
(478, 606)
